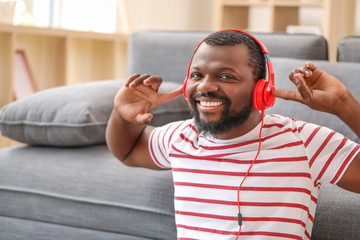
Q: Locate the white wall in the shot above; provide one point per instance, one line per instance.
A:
(171, 14)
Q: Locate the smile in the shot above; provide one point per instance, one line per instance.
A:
(210, 104)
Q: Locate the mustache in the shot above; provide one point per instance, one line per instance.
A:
(211, 95)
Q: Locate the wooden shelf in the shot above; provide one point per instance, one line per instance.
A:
(287, 3)
(338, 17)
(59, 57)
(298, 3)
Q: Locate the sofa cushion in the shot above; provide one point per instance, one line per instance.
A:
(25, 229)
(348, 49)
(74, 115)
(82, 188)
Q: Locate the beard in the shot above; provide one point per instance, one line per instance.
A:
(227, 121)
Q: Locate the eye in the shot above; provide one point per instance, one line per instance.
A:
(227, 77)
(195, 75)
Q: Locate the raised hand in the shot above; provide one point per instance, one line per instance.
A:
(139, 94)
(317, 89)
(322, 91)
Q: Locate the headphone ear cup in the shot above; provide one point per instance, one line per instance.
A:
(258, 92)
(262, 98)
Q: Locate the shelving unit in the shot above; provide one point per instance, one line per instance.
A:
(60, 57)
(338, 17)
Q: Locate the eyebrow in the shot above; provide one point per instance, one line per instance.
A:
(227, 69)
(219, 69)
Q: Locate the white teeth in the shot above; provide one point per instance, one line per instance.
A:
(210, 104)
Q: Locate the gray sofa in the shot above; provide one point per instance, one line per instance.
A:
(65, 184)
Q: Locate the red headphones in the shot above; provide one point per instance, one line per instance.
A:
(262, 98)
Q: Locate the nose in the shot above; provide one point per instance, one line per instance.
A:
(208, 84)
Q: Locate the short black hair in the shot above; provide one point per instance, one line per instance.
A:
(231, 38)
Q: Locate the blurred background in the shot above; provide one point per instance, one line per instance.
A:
(50, 43)
(101, 15)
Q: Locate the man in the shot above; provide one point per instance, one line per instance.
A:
(227, 182)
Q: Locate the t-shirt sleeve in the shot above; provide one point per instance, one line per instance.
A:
(329, 153)
(160, 143)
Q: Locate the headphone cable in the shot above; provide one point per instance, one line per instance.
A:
(247, 173)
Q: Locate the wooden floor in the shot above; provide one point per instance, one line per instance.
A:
(7, 142)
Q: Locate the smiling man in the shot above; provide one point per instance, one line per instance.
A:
(218, 89)
(218, 86)
(236, 172)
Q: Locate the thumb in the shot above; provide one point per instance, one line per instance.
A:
(166, 97)
(143, 118)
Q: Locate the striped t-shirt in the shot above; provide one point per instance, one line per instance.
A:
(279, 196)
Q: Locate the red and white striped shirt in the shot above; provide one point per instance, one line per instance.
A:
(279, 196)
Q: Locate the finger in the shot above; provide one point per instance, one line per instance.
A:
(143, 118)
(310, 65)
(293, 95)
(302, 88)
(166, 97)
(139, 80)
(309, 68)
(302, 70)
(295, 71)
(291, 77)
(316, 72)
(131, 78)
(154, 82)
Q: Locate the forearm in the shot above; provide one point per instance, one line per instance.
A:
(121, 136)
(349, 112)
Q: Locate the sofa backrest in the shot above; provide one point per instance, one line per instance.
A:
(349, 49)
(299, 46)
(163, 53)
(167, 53)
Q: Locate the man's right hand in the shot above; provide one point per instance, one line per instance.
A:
(140, 94)
(127, 136)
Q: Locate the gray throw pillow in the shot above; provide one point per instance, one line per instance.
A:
(74, 115)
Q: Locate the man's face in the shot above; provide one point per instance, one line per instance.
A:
(220, 88)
